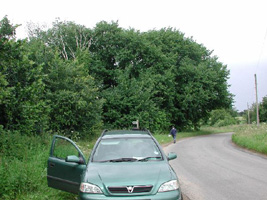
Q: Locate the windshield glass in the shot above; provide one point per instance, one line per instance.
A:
(126, 150)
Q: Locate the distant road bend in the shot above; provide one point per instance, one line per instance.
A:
(212, 168)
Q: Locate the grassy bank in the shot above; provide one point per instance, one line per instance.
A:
(252, 137)
(23, 163)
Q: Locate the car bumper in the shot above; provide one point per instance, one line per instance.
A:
(173, 195)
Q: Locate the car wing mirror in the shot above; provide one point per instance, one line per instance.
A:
(74, 159)
(171, 156)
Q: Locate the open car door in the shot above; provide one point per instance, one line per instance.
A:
(66, 164)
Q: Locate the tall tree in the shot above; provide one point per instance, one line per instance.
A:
(21, 80)
(179, 78)
(66, 37)
(74, 98)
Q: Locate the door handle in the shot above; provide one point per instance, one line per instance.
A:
(52, 164)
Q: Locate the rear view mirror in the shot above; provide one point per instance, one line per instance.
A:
(172, 156)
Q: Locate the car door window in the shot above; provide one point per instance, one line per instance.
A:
(63, 148)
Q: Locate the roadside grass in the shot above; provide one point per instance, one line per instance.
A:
(223, 129)
(249, 136)
(164, 139)
(252, 137)
(23, 163)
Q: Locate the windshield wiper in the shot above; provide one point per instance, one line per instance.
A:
(148, 158)
(123, 160)
(132, 159)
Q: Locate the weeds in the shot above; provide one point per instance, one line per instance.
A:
(23, 161)
(252, 137)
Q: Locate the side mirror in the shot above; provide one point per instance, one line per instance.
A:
(172, 156)
(74, 159)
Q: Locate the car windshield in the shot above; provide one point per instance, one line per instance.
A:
(126, 150)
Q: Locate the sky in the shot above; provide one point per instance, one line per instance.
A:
(236, 30)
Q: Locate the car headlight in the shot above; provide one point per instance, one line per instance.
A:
(90, 188)
(169, 186)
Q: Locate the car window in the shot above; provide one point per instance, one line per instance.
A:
(63, 148)
(116, 148)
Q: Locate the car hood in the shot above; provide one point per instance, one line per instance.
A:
(128, 174)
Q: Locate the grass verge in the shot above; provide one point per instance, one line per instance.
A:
(252, 137)
(163, 138)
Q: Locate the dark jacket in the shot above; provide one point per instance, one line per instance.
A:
(173, 131)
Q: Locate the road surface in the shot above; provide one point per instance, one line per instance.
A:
(212, 168)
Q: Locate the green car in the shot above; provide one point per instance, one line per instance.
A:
(123, 165)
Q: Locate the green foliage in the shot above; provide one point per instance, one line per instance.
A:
(131, 100)
(70, 79)
(23, 102)
(262, 111)
(23, 164)
(194, 84)
(76, 104)
(221, 117)
(40, 91)
(7, 30)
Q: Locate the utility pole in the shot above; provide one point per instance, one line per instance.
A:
(248, 115)
(257, 105)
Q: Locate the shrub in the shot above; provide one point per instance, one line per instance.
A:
(221, 117)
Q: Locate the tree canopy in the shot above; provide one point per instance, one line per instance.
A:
(73, 78)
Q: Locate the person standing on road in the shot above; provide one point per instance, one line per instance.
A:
(173, 133)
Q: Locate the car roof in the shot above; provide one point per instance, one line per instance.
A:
(126, 134)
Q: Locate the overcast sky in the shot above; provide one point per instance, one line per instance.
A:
(235, 29)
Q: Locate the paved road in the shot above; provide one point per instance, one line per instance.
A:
(212, 168)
